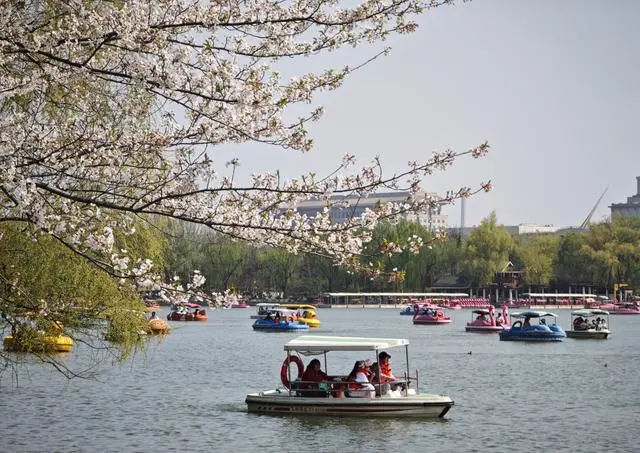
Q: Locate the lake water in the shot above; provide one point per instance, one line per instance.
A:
(186, 393)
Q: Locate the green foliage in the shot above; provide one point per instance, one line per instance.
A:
(612, 251)
(278, 268)
(148, 242)
(44, 284)
(486, 251)
(604, 254)
(536, 256)
(570, 264)
(224, 262)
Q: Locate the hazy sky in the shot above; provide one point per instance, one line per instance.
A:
(551, 84)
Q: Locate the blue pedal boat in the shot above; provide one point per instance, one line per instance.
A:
(280, 320)
(524, 330)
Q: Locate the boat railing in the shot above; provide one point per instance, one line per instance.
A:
(338, 386)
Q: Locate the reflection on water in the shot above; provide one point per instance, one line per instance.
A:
(186, 393)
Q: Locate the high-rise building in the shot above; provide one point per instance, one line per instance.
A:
(631, 207)
(348, 207)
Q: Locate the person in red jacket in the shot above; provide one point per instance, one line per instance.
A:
(313, 374)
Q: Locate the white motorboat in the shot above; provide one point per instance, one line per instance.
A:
(405, 401)
(589, 323)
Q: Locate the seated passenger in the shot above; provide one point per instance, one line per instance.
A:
(153, 316)
(526, 322)
(312, 374)
(385, 367)
(543, 322)
(359, 385)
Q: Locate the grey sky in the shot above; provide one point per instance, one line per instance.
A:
(551, 84)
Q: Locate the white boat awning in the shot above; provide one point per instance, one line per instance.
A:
(314, 343)
(587, 312)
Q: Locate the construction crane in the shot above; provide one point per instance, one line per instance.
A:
(586, 221)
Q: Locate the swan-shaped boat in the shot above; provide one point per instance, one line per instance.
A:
(484, 320)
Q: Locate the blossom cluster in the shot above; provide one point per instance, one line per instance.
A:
(109, 110)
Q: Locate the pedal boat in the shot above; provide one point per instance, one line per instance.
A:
(159, 326)
(524, 331)
(589, 323)
(187, 312)
(289, 401)
(430, 314)
(625, 308)
(280, 320)
(306, 314)
(46, 343)
(408, 310)
(483, 320)
(263, 308)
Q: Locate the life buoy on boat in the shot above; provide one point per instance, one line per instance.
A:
(284, 371)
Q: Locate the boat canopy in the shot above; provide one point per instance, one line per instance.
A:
(563, 296)
(442, 295)
(267, 304)
(299, 306)
(481, 311)
(284, 311)
(317, 344)
(587, 313)
(532, 314)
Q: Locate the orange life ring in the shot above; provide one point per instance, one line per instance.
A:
(284, 371)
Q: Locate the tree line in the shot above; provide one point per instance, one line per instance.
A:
(598, 257)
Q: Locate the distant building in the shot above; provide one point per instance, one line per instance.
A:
(516, 230)
(433, 218)
(631, 207)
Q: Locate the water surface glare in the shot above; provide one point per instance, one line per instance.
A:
(186, 393)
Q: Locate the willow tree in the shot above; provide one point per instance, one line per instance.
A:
(44, 285)
(537, 256)
(612, 250)
(113, 109)
(486, 251)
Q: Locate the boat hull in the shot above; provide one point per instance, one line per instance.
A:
(279, 402)
(534, 333)
(432, 321)
(589, 334)
(159, 326)
(48, 343)
(175, 316)
(284, 326)
(484, 329)
(311, 322)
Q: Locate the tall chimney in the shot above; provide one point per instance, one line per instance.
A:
(638, 179)
(463, 203)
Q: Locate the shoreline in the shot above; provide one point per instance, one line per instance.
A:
(401, 306)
